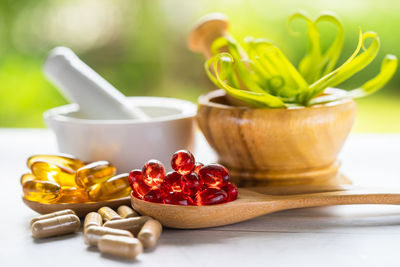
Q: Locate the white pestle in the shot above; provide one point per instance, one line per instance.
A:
(97, 98)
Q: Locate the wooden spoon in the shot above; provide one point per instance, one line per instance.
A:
(81, 209)
(251, 204)
(205, 31)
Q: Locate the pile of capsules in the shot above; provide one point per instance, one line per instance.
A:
(66, 179)
(190, 183)
(112, 232)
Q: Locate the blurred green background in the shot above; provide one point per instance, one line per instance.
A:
(140, 47)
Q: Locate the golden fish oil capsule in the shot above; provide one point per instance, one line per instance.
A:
(55, 226)
(27, 177)
(94, 233)
(150, 233)
(51, 215)
(121, 246)
(69, 194)
(92, 219)
(115, 187)
(49, 171)
(132, 225)
(108, 214)
(94, 173)
(64, 160)
(41, 191)
(126, 212)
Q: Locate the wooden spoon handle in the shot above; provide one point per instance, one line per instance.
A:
(361, 196)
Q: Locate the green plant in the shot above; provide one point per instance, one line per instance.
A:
(261, 75)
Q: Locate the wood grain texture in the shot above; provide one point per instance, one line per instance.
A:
(276, 144)
(251, 204)
(81, 209)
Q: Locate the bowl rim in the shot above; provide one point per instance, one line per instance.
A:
(187, 110)
(206, 100)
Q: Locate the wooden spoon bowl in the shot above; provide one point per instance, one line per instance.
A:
(251, 204)
(81, 209)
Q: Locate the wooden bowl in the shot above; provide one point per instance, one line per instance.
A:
(277, 146)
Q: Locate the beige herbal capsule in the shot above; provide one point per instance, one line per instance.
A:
(92, 219)
(121, 246)
(126, 212)
(150, 233)
(108, 214)
(132, 225)
(59, 225)
(51, 215)
(94, 233)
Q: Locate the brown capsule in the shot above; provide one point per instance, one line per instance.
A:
(94, 233)
(92, 219)
(127, 212)
(41, 191)
(52, 172)
(132, 225)
(150, 233)
(114, 187)
(55, 226)
(52, 215)
(94, 173)
(108, 214)
(121, 246)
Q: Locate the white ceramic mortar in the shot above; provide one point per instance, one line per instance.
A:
(128, 144)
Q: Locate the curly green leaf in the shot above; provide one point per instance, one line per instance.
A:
(254, 98)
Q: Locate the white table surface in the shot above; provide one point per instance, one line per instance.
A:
(330, 236)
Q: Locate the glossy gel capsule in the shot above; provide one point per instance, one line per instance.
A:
(94, 173)
(49, 171)
(67, 161)
(114, 187)
(41, 191)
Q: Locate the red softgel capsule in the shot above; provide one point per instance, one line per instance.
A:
(178, 198)
(231, 190)
(197, 167)
(214, 175)
(153, 172)
(154, 195)
(136, 181)
(172, 182)
(182, 161)
(191, 184)
(211, 196)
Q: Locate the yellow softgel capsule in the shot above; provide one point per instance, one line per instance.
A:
(94, 173)
(41, 191)
(114, 187)
(70, 194)
(53, 172)
(27, 177)
(64, 160)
